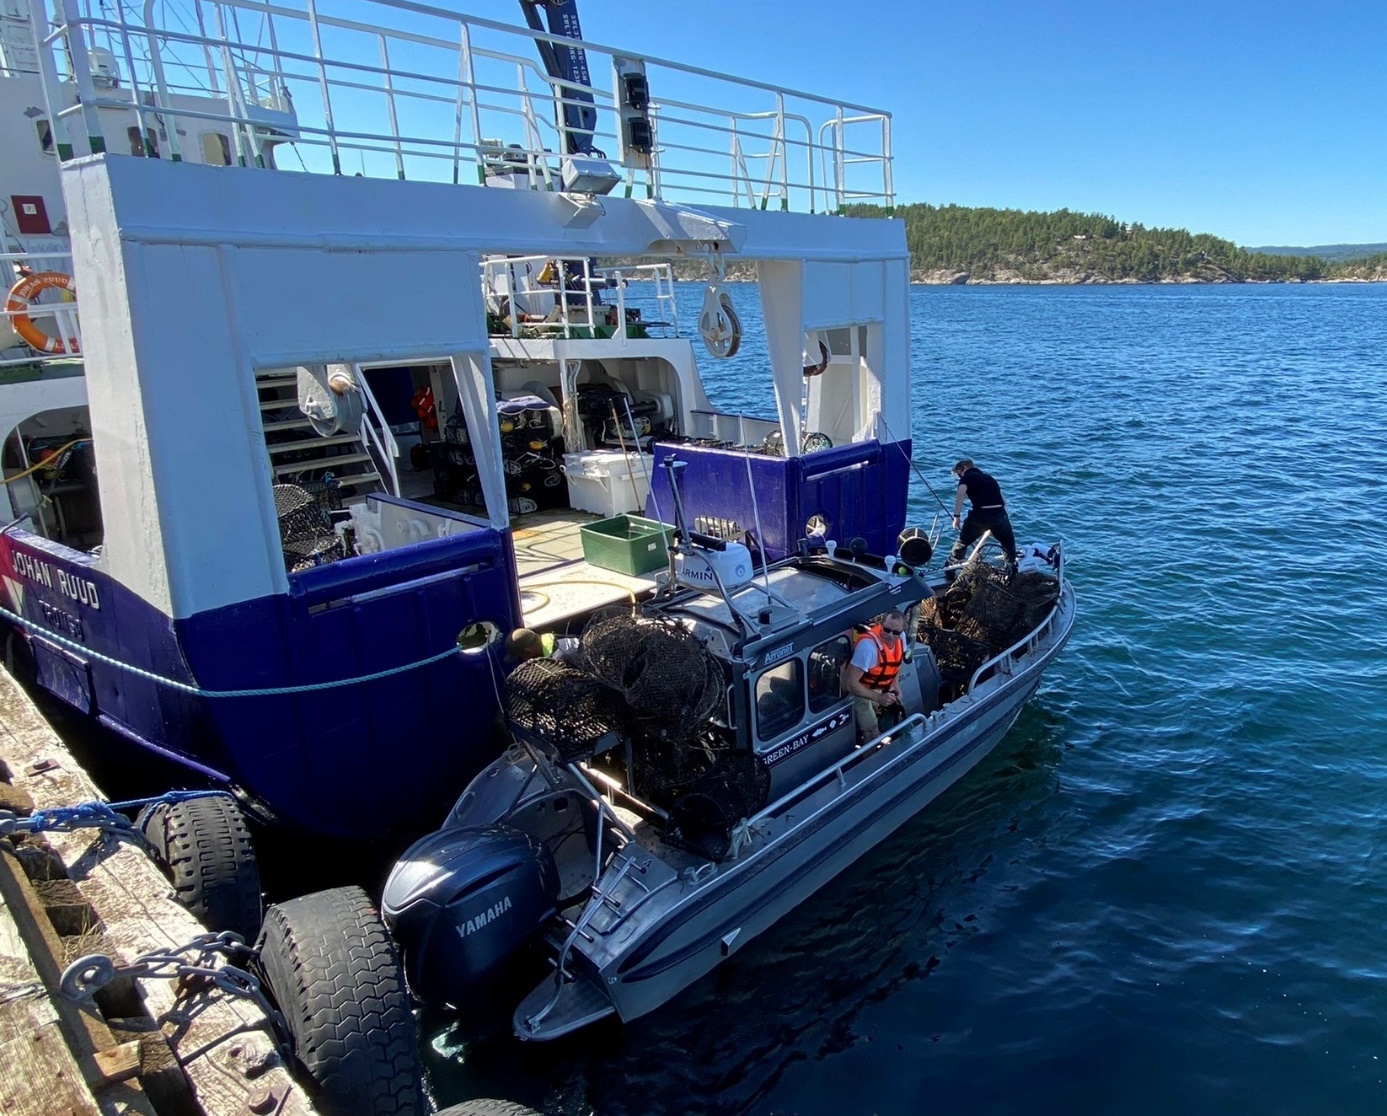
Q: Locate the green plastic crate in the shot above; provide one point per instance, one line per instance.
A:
(626, 544)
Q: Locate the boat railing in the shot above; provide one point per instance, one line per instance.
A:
(1028, 643)
(575, 288)
(409, 90)
(61, 316)
(835, 773)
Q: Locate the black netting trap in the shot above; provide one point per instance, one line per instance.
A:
(928, 615)
(669, 680)
(1038, 593)
(991, 616)
(735, 787)
(958, 655)
(562, 707)
(982, 613)
(305, 527)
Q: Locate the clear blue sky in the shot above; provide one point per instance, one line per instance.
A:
(1260, 122)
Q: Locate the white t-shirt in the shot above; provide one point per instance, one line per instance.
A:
(866, 654)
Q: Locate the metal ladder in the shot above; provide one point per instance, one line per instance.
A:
(297, 454)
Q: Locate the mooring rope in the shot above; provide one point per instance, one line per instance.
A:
(189, 688)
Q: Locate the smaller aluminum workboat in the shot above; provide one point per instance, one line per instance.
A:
(699, 774)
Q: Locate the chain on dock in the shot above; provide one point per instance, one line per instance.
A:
(195, 961)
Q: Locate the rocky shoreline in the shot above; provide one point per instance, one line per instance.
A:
(1003, 277)
(1058, 277)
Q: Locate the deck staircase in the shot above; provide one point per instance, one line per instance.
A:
(300, 456)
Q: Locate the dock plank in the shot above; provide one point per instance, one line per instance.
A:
(39, 1078)
(224, 1043)
(38, 1074)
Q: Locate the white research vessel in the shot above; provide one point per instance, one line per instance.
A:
(326, 374)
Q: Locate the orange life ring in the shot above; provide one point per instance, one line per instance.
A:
(21, 300)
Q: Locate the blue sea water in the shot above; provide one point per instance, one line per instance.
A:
(1162, 892)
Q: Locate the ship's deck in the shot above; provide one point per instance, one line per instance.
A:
(556, 582)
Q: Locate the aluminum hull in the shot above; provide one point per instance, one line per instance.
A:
(678, 923)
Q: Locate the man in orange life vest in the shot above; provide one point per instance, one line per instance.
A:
(872, 675)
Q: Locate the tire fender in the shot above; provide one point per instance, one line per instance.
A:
(204, 847)
(334, 972)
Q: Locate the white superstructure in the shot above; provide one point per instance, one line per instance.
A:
(445, 252)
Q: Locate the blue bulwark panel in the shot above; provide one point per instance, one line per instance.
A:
(353, 761)
(859, 489)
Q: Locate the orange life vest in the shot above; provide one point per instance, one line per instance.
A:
(423, 404)
(883, 675)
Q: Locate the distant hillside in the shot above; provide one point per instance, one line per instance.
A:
(1336, 253)
(960, 244)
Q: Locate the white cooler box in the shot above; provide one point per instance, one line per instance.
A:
(608, 482)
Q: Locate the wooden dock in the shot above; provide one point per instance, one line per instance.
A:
(154, 1046)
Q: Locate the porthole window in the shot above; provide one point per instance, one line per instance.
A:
(478, 637)
(779, 699)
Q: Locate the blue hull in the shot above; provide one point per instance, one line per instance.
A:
(357, 761)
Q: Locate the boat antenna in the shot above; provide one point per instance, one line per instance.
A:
(686, 537)
(756, 512)
(916, 468)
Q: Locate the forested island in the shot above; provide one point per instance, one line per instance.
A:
(961, 244)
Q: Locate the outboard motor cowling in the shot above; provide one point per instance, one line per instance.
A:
(460, 901)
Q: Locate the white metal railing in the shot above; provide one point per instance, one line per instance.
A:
(407, 89)
(376, 436)
(569, 288)
(61, 317)
(836, 773)
(1029, 642)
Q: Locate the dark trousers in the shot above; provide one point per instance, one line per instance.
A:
(979, 520)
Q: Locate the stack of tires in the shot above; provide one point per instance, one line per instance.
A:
(325, 959)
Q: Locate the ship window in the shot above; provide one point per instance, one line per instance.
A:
(779, 699)
(216, 149)
(142, 145)
(45, 132)
(826, 664)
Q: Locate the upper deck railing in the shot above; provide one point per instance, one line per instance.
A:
(399, 89)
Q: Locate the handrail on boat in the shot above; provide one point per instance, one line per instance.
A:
(258, 79)
(856, 756)
(1028, 641)
(1032, 638)
(375, 429)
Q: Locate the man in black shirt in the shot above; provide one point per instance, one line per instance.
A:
(987, 513)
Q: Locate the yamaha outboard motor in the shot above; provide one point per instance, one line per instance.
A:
(460, 901)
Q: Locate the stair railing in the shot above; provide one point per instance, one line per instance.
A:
(376, 435)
